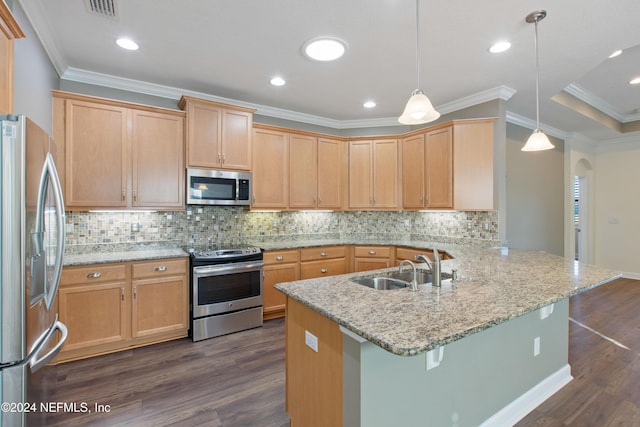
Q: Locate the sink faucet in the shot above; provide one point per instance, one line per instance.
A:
(434, 266)
(414, 283)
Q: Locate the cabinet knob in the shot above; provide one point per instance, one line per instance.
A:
(323, 270)
(161, 268)
(279, 258)
(323, 254)
(372, 252)
(94, 275)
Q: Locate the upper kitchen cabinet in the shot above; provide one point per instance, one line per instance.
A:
(449, 166)
(373, 174)
(119, 155)
(315, 172)
(9, 30)
(270, 168)
(218, 135)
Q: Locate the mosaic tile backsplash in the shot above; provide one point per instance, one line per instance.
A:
(199, 227)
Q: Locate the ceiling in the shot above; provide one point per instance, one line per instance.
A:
(231, 49)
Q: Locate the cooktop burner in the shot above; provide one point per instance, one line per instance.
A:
(228, 254)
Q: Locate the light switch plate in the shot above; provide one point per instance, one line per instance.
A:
(311, 341)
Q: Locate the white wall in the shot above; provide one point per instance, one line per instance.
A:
(617, 206)
(535, 186)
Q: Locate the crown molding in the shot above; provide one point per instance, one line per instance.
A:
(630, 142)
(528, 123)
(100, 79)
(600, 104)
(40, 27)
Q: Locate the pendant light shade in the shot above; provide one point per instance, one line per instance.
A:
(418, 109)
(538, 141)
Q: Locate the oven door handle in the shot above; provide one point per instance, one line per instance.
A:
(225, 268)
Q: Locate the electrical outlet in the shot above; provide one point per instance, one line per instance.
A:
(469, 224)
(536, 346)
(311, 341)
(407, 223)
(135, 227)
(486, 225)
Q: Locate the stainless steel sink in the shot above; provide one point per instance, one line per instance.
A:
(396, 280)
(382, 283)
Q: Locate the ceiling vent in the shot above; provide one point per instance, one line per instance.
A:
(106, 8)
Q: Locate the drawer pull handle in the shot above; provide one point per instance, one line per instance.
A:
(279, 258)
(324, 270)
(372, 252)
(94, 275)
(161, 268)
(323, 254)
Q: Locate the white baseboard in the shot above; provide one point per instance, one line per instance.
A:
(628, 275)
(516, 410)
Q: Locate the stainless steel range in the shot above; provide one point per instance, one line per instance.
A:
(226, 291)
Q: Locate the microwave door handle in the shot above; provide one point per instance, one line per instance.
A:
(50, 174)
(237, 189)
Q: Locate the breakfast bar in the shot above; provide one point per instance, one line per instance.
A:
(484, 349)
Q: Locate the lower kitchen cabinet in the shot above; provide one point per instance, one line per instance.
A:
(112, 307)
(323, 261)
(372, 257)
(279, 266)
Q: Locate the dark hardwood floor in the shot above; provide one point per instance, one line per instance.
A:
(238, 379)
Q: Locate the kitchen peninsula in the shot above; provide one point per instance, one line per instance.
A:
(487, 348)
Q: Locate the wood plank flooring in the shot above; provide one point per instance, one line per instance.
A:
(238, 379)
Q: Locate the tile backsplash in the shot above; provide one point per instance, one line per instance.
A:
(206, 226)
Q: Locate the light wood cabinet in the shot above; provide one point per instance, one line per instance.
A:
(373, 174)
(119, 155)
(372, 257)
(218, 135)
(160, 293)
(315, 172)
(9, 30)
(323, 261)
(112, 307)
(449, 167)
(279, 266)
(270, 168)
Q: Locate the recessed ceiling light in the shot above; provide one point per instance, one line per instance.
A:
(369, 104)
(278, 81)
(324, 48)
(635, 81)
(126, 43)
(500, 47)
(616, 53)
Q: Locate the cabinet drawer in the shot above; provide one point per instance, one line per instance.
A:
(329, 267)
(280, 257)
(322, 252)
(97, 273)
(159, 267)
(410, 253)
(372, 251)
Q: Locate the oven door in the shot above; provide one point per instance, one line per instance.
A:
(225, 288)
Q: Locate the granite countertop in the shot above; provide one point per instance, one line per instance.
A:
(492, 287)
(102, 254)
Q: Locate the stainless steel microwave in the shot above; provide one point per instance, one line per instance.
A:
(217, 187)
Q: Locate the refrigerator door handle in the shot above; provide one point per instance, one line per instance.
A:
(50, 174)
(36, 362)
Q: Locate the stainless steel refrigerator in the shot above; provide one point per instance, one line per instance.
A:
(32, 230)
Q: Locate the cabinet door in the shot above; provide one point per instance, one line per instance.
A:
(160, 305)
(385, 174)
(473, 173)
(158, 165)
(360, 174)
(96, 145)
(235, 144)
(204, 132)
(439, 168)
(274, 300)
(413, 177)
(95, 314)
(330, 166)
(270, 168)
(302, 171)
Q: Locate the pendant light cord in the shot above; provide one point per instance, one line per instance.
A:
(537, 76)
(417, 44)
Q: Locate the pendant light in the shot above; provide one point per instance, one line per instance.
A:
(538, 140)
(418, 109)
